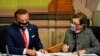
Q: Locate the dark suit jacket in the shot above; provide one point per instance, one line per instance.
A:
(15, 40)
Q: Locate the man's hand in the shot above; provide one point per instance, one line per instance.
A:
(30, 52)
(65, 48)
(80, 52)
(43, 51)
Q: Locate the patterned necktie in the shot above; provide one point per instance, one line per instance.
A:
(25, 38)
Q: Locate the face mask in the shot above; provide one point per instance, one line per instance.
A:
(72, 27)
(23, 25)
(77, 31)
(75, 28)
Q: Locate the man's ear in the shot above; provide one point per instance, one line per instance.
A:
(16, 21)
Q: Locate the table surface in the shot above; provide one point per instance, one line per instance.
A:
(54, 54)
(63, 54)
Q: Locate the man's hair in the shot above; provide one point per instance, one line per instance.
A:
(20, 11)
(82, 19)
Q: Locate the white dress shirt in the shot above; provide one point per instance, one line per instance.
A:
(27, 35)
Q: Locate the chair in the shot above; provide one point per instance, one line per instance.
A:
(96, 31)
(2, 39)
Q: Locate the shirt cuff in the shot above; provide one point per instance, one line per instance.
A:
(24, 51)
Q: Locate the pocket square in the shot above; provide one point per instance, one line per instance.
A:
(30, 29)
(33, 36)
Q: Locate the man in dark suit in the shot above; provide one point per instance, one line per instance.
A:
(22, 37)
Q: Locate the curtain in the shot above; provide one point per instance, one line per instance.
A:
(86, 6)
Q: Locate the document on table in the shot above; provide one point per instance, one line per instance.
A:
(53, 54)
(62, 54)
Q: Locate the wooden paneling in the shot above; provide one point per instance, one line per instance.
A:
(43, 33)
(51, 36)
(40, 23)
(62, 23)
(51, 23)
(61, 6)
(60, 35)
(40, 16)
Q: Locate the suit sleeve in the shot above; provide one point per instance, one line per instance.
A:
(10, 43)
(37, 41)
(94, 43)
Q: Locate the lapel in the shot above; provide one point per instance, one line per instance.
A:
(19, 38)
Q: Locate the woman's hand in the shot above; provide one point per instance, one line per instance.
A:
(65, 48)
